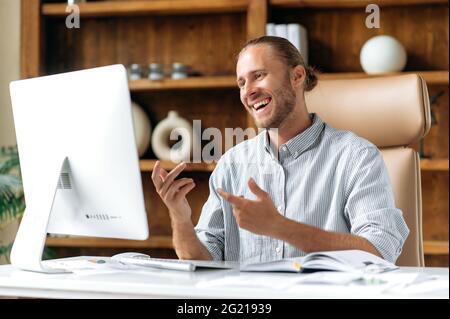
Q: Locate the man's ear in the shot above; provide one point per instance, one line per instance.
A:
(298, 76)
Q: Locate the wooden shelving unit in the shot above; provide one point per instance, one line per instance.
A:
(151, 242)
(434, 164)
(348, 3)
(155, 7)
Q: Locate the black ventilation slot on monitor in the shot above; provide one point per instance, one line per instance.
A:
(64, 181)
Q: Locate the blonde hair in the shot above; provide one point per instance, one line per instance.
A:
(288, 54)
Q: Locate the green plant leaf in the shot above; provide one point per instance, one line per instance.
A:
(12, 201)
(5, 251)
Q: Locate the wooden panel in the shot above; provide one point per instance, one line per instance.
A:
(337, 35)
(436, 261)
(208, 44)
(256, 18)
(435, 205)
(152, 242)
(348, 3)
(30, 39)
(435, 144)
(62, 252)
(159, 7)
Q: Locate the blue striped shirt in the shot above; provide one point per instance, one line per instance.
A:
(327, 178)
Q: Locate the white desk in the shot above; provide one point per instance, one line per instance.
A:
(157, 283)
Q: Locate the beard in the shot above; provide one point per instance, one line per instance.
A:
(285, 104)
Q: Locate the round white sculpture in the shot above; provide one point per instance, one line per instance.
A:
(382, 54)
(167, 132)
(142, 128)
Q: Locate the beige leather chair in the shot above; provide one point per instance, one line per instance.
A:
(391, 112)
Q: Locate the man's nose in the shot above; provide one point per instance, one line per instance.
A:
(249, 91)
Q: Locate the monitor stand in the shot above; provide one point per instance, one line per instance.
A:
(26, 253)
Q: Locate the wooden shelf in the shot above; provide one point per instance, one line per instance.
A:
(204, 82)
(154, 7)
(152, 242)
(349, 3)
(431, 77)
(434, 164)
(148, 165)
(229, 81)
(435, 247)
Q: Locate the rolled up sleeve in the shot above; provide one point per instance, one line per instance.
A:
(370, 205)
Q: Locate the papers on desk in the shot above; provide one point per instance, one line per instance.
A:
(252, 280)
(392, 283)
(85, 265)
(419, 285)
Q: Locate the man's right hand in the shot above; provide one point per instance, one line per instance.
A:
(173, 192)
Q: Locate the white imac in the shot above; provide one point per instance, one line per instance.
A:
(78, 158)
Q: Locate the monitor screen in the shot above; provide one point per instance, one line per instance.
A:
(79, 161)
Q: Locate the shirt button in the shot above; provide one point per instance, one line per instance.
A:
(296, 154)
(280, 208)
(278, 249)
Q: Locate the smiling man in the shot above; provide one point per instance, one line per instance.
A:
(299, 186)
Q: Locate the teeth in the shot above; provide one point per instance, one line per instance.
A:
(261, 103)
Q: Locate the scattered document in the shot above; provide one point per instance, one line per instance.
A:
(341, 260)
(330, 278)
(85, 265)
(420, 284)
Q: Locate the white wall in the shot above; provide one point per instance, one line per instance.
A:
(9, 65)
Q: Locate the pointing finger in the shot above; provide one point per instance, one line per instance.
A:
(256, 189)
(234, 200)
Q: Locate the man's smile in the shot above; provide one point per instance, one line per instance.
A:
(261, 105)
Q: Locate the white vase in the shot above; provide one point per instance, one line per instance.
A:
(142, 128)
(382, 54)
(166, 132)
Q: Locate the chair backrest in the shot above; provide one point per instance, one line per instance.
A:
(391, 112)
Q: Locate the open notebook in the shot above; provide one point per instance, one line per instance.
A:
(341, 260)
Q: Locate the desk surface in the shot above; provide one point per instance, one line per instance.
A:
(206, 283)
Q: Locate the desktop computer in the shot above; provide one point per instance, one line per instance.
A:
(78, 158)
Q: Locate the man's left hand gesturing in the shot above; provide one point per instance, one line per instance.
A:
(258, 216)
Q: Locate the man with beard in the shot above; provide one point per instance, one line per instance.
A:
(299, 186)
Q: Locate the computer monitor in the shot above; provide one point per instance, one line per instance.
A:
(78, 158)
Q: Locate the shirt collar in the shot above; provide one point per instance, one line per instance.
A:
(301, 142)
